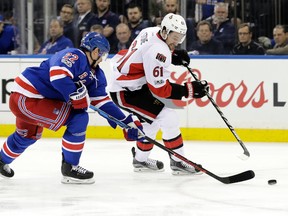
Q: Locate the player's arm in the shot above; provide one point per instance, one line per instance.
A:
(101, 100)
(157, 75)
(62, 80)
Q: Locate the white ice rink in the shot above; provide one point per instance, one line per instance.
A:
(36, 189)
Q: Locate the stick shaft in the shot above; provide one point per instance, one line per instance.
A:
(246, 152)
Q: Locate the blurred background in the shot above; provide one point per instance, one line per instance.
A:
(32, 17)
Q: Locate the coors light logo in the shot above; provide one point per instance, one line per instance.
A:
(229, 92)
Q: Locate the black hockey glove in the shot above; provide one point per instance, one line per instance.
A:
(197, 89)
(178, 56)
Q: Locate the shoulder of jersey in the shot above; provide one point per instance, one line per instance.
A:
(77, 51)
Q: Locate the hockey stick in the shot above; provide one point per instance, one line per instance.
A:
(226, 180)
(246, 153)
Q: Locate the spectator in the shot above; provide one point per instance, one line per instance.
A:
(156, 12)
(97, 28)
(123, 34)
(66, 15)
(206, 45)
(80, 21)
(168, 6)
(246, 45)
(8, 34)
(21, 48)
(57, 40)
(135, 20)
(280, 35)
(9, 18)
(223, 29)
(36, 44)
(205, 8)
(109, 20)
(265, 42)
(172, 6)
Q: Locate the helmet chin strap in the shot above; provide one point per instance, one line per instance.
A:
(94, 61)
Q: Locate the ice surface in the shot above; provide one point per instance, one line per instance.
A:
(36, 188)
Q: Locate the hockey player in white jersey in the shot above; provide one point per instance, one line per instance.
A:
(142, 70)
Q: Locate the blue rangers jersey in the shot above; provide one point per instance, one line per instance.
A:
(57, 77)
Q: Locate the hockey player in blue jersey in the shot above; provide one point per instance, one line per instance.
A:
(58, 93)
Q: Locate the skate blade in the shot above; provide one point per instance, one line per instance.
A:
(184, 173)
(70, 180)
(5, 177)
(146, 170)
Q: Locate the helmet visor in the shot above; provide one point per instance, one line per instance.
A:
(177, 38)
(103, 55)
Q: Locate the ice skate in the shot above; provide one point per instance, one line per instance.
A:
(182, 168)
(5, 170)
(76, 174)
(150, 165)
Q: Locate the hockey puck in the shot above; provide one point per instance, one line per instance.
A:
(272, 182)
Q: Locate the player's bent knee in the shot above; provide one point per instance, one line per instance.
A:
(78, 122)
(30, 132)
(22, 141)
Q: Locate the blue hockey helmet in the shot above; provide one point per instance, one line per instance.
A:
(93, 40)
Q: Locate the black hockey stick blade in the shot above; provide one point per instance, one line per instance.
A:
(246, 153)
(244, 176)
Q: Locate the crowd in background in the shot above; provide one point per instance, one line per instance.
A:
(211, 27)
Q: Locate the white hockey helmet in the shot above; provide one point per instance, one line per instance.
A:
(174, 23)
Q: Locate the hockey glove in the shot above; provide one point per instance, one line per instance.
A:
(180, 56)
(197, 89)
(135, 132)
(80, 98)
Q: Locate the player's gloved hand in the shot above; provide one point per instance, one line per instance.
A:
(180, 56)
(197, 89)
(80, 98)
(135, 132)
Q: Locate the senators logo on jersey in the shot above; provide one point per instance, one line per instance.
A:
(161, 57)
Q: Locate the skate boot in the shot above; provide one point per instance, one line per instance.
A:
(146, 166)
(76, 174)
(182, 168)
(5, 170)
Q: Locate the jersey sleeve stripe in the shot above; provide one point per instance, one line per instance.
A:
(125, 60)
(164, 91)
(57, 77)
(59, 73)
(99, 101)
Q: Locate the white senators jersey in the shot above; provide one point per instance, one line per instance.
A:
(146, 62)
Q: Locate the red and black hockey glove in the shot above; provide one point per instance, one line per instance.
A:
(197, 89)
(180, 57)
